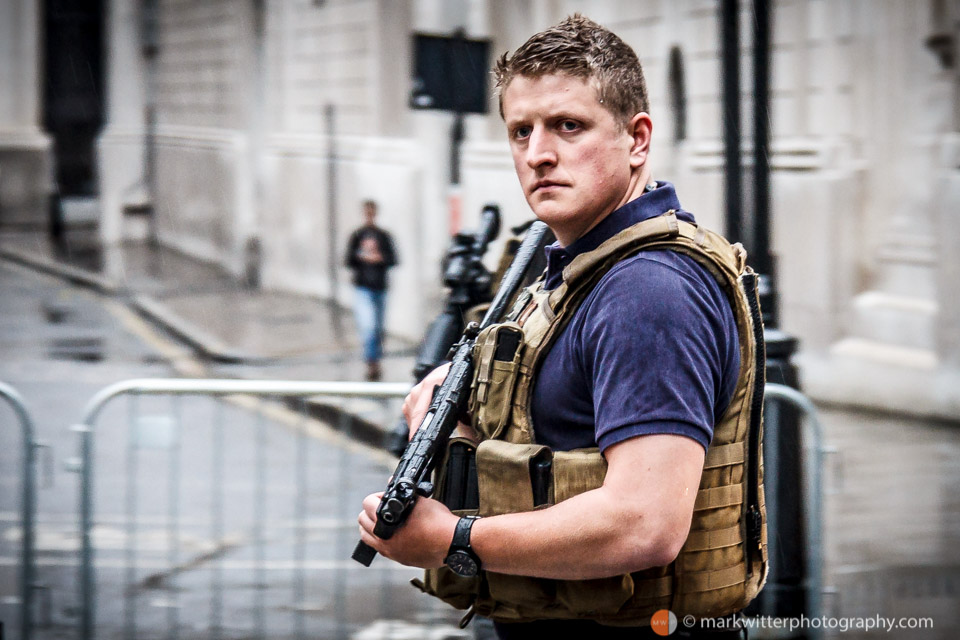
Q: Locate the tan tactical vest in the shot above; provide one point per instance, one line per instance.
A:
(723, 563)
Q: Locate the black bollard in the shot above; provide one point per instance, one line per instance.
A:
(783, 595)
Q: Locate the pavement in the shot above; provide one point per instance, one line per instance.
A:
(891, 529)
(209, 309)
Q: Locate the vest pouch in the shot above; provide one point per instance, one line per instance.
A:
(457, 591)
(575, 472)
(456, 487)
(507, 478)
(497, 354)
(506, 486)
(504, 478)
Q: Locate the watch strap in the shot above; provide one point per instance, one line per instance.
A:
(461, 535)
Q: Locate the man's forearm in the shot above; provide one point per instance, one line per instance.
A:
(639, 518)
(592, 535)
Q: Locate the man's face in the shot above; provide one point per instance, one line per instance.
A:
(572, 157)
(369, 213)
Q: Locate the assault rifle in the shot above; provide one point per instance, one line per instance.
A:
(412, 475)
(468, 282)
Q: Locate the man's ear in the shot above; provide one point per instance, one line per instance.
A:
(640, 128)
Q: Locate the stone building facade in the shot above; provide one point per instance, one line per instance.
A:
(274, 119)
(25, 149)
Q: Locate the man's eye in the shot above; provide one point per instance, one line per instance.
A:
(569, 125)
(521, 132)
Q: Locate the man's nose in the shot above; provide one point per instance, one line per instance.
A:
(541, 149)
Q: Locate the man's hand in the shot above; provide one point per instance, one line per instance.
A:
(422, 541)
(417, 402)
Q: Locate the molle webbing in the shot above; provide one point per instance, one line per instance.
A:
(713, 574)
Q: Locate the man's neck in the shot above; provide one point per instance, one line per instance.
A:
(638, 186)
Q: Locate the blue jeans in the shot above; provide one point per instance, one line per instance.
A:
(368, 307)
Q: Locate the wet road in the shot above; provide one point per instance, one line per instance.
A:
(243, 513)
(893, 521)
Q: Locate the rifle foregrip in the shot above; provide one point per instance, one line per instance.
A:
(364, 553)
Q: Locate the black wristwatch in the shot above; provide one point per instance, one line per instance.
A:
(461, 558)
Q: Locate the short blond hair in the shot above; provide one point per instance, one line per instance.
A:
(581, 48)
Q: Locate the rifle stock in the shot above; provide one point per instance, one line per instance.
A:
(411, 477)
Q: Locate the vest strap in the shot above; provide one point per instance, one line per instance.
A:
(704, 540)
(663, 226)
(717, 497)
(724, 455)
(696, 582)
(543, 300)
(653, 587)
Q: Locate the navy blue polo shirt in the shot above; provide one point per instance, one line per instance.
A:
(653, 349)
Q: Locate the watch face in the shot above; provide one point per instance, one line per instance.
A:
(462, 564)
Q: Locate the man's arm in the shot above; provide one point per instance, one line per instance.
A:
(350, 259)
(639, 518)
(389, 251)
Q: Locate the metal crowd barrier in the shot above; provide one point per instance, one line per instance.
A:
(169, 427)
(147, 429)
(28, 505)
(813, 464)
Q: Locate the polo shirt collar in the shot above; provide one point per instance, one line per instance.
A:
(649, 205)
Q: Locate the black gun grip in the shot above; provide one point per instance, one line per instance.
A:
(364, 553)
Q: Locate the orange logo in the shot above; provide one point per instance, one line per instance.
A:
(663, 622)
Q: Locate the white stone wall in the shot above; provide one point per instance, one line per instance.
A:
(322, 53)
(203, 96)
(892, 344)
(202, 64)
(335, 109)
(817, 192)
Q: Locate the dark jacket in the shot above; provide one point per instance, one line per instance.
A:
(365, 274)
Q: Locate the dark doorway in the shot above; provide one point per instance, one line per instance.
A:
(73, 95)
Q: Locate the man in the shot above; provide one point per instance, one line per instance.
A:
(370, 253)
(630, 345)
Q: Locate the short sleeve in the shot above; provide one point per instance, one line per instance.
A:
(655, 345)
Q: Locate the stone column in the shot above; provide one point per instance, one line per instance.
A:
(121, 145)
(390, 60)
(26, 173)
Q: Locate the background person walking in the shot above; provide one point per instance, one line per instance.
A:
(370, 252)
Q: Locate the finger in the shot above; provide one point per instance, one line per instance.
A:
(422, 405)
(371, 502)
(366, 522)
(371, 540)
(411, 404)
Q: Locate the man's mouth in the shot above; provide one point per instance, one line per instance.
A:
(544, 184)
